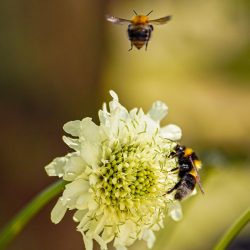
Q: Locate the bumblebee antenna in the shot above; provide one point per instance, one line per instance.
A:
(198, 176)
(135, 12)
(149, 13)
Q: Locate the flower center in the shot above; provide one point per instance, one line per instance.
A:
(129, 176)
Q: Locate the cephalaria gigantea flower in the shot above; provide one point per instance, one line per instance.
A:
(118, 175)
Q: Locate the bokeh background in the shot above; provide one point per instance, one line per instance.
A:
(58, 59)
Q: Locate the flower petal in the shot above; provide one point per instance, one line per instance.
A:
(73, 191)
(91, 153)
(104, 115)
(149, 237)
(101, 242)
(90, 131)
(126, 236)
(56, 167)
(79, 214)
(74, 167)
(73, 127)
(72, 143)
(114, 95)
(158, 111)
(88, 242)
(171, 132)
(82, 201)
(175, 211)
(108, 234)
(58, 212)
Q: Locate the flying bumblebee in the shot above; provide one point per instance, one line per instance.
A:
(139, 28)
(188, 166)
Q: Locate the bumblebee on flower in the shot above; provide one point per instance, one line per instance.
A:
(118, 175)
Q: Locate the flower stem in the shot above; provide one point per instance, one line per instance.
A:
(26, 214)
(233, 231)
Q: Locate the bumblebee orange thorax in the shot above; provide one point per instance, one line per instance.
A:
(188, 152)
(137, 20)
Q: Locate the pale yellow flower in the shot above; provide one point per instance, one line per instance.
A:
(118, 175)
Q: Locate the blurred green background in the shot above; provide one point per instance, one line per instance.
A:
(58, 59)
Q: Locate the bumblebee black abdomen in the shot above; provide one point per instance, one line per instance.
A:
(185, 187)
(139, 35)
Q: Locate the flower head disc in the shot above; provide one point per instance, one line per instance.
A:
(118, 175)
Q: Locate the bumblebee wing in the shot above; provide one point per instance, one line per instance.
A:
(162, 20)
(197, 175)
(117, 20)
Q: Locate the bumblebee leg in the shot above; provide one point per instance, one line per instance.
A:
(172, 170)
(146, 46)
(131, 47)
(174, 187)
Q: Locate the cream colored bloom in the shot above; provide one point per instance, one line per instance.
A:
(118, 175)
